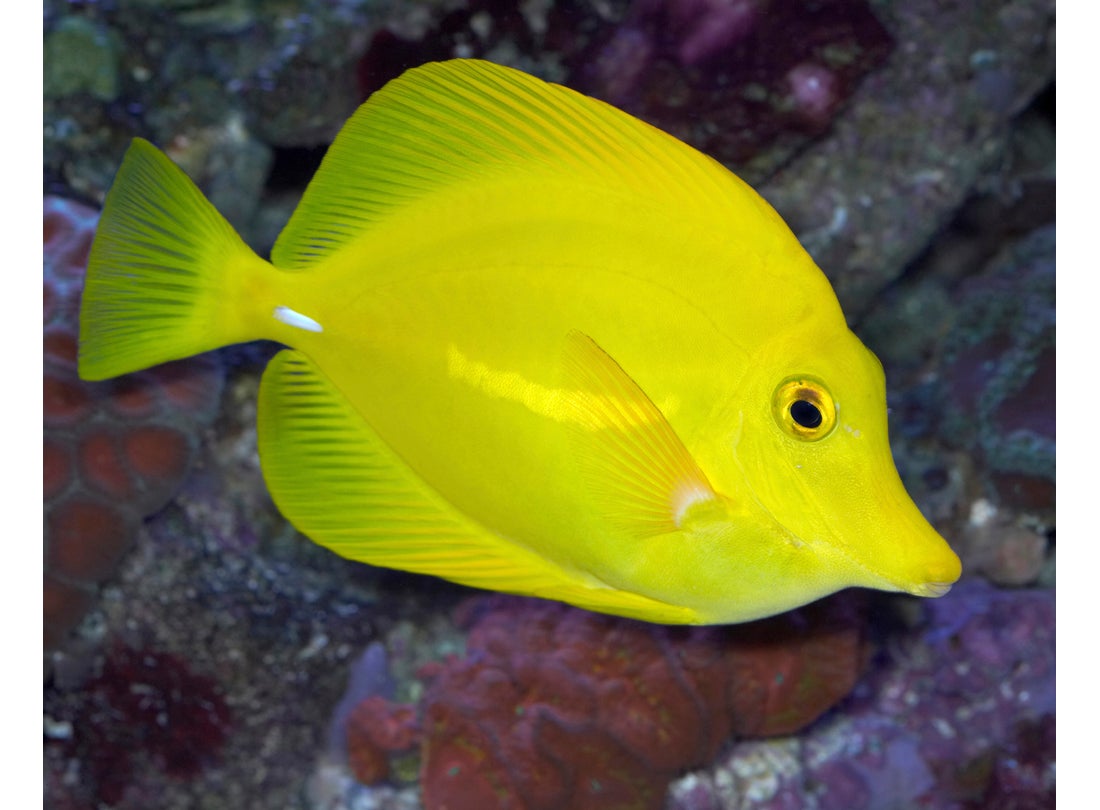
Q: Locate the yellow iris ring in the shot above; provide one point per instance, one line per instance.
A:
(809, 390)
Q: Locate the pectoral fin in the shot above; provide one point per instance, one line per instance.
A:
(640, 475)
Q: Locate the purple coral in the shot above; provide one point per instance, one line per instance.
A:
(144, 705)
(703, 29)
(761, 73)
(738, 79)
(957, 713)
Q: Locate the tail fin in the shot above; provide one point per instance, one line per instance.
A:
(164, 272)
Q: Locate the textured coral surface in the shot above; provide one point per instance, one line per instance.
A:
(113, 452)
(957, 712)
(554, 707)
(747, 81)
(145, 707)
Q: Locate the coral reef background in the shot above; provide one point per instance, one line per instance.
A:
(200, 654)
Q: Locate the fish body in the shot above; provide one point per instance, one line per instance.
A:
(537, 346)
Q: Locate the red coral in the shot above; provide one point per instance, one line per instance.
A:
(145, 704)
(376, 729)
(113, 452)
(788, 669)
(556, 707)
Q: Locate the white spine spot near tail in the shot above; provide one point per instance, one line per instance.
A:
(297, 319)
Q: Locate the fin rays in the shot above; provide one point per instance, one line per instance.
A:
(635, 465)
(338, 483)
(446, 123)
(161, 264)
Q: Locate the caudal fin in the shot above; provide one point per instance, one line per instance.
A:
(163, 272)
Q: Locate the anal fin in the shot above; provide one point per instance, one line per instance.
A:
(341, 485)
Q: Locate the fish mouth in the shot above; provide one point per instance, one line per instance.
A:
(932, 590)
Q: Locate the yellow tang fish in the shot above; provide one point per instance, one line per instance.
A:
(540, 347)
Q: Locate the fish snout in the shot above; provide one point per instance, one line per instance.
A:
(939, 575)
(931, 589)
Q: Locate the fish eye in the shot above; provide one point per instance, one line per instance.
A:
(805, 413)
(804, 408)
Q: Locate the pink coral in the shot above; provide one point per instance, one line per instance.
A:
(813, 89)
(113, 452)
(707, 27)
(375, 730)
(554, 707)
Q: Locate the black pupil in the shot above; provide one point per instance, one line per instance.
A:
(805, 413)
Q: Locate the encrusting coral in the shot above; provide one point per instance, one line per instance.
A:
(145, 708)
(555, 707)
(112, 452)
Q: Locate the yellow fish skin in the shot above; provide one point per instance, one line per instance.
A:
(536, 346)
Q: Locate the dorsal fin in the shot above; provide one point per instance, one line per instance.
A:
(447, 123)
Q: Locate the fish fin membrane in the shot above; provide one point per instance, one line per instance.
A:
(158, 270)
(468, 122)
(342, 486)
(639, 474)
